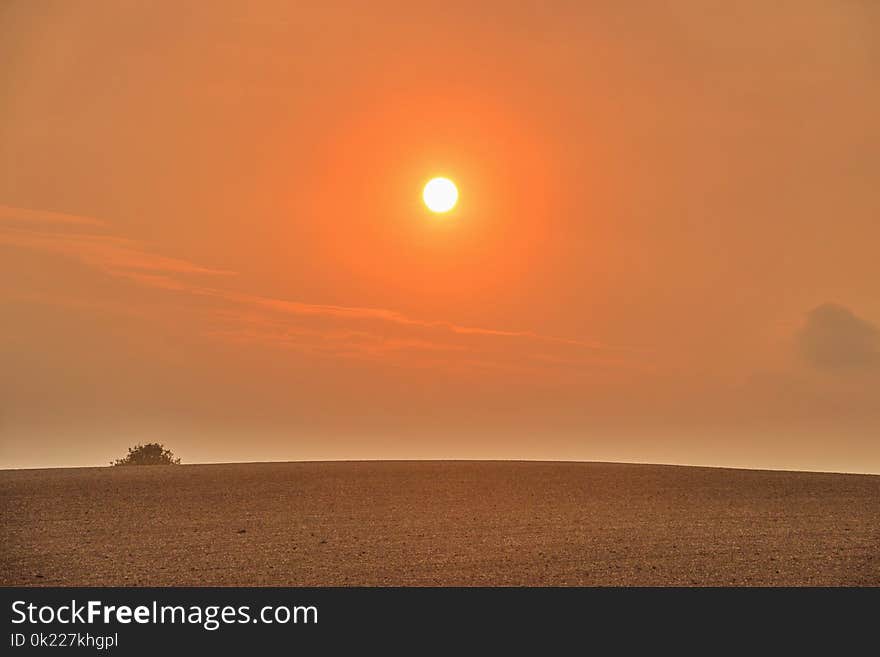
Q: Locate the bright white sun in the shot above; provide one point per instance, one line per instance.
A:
(440, 195)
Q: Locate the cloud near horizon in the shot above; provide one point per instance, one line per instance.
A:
(835, 339)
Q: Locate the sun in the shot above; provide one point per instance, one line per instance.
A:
(440, 195)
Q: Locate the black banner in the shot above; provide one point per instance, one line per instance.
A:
(126, 621)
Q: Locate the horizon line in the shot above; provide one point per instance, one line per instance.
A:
(468, 460)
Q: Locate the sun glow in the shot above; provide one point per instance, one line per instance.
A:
(440, 195)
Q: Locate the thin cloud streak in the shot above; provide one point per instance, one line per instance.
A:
(26, 216)
(112, 254)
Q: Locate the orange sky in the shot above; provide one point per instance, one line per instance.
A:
(665, 250)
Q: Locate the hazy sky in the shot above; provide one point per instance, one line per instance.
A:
(667, 246)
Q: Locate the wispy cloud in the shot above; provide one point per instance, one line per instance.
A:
(360, 313)
(13, 215)
(113, 255)
(322, 329)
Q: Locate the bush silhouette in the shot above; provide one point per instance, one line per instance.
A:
(149, 454)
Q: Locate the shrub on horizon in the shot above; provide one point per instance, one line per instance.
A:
(149, 454)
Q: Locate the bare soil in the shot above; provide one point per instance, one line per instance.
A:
(437, 523)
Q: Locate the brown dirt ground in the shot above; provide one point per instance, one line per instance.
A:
(437, 523)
